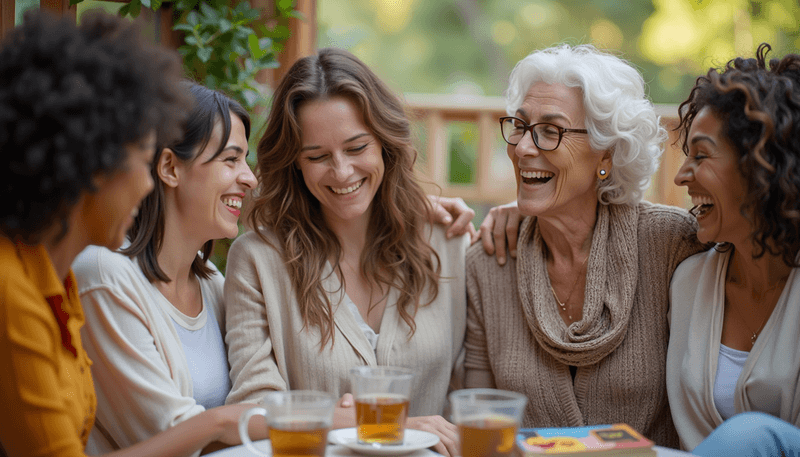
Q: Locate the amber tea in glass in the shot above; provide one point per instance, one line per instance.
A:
(292, 438)
(381, 418)
(487, 437)
(298, 423)
(487, 421)
(382, 398)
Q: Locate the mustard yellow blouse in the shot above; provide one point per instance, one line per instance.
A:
(47, 399)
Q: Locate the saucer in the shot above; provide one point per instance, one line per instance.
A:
(414, 440)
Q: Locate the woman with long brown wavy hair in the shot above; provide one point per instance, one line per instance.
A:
(341, 268)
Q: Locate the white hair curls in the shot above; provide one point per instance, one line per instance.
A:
(619, 117)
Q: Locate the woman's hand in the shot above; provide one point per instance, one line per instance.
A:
(447, 433)
(344, 415)
(446, 210)
(228, 418)
(501, 226)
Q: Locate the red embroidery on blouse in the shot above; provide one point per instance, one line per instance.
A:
(62, 317)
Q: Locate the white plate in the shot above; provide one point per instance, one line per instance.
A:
(414, 441)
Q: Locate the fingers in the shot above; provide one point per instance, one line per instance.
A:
(473, 234)
(447, 432)
(485, 231)
(346, 401)
(442, 449)
(454, 212)
(499, 230)
(463, 214)
(512, 231)
(344, 415)
(440, 215)
(499, 236)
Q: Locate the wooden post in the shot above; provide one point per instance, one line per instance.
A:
(166, 36)
(7, 17)
(302, 40)
(487, 126)
(60, 7)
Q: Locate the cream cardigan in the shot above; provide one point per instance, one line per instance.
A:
(770, 378)
(270, 349)
(143, 381)
(517, 341)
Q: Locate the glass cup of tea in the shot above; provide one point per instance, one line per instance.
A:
(487, 421)
(381, 395)
(298, 422)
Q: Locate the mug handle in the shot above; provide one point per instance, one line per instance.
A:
(244, 421)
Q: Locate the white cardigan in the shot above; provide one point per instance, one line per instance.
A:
(769, 381)
(140, 372)
(269, 348)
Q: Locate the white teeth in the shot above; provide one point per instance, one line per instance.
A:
(701, 200)
(347, 190)
(233, 202)
(536, 174)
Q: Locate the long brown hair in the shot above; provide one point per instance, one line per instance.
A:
(397, 253)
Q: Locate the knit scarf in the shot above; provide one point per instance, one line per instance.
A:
(609, 294)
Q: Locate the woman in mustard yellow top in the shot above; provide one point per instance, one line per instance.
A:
(81, 109)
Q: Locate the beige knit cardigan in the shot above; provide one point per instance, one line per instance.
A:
(269, 347)
(517, 341)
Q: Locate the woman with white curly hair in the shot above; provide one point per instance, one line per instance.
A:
(578, 320)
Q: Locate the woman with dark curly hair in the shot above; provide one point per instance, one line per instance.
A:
(342, 269)
(81, 110)
(735, 323)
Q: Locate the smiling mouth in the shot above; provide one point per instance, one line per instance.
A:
(702, 206)
(536, 177)
(232, 202)
(347, 190)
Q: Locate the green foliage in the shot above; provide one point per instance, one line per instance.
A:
(225, 47)
(463, 144)
(223, 50)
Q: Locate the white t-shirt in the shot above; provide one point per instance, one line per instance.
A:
(205, 355)
(729, 367)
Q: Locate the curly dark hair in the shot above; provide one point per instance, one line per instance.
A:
(759, 108)
(71, 98)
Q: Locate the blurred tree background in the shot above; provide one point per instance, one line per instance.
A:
(470, 46)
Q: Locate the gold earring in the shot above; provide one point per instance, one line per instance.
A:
(602, 174)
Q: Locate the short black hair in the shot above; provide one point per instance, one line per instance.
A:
(759, 107)
(71, 98)
(147, 232)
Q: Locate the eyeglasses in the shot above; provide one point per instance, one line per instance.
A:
(545, 136)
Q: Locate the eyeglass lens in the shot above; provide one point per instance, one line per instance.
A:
(545, 136)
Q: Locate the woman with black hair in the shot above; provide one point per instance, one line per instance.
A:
(155, 321)
(81, 111)
(734, 331)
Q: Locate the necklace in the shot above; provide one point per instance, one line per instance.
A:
(563, 305)
(754, 336)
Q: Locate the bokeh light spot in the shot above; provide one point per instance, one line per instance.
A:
(503, 32)
(536, 14)
(606, 35)
(392, 16)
